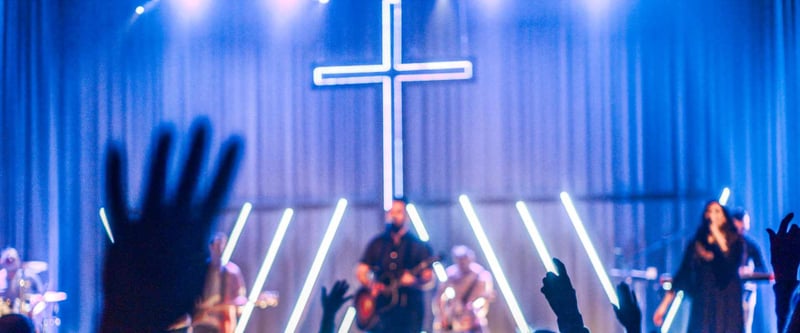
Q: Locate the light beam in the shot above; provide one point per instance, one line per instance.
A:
(590, 251)
(347, 321)
(266, 266)
(233, 239)
(536, 237)
(672, 312)
(723, 198)
(502, 282)
(316, 266)
(106, 226)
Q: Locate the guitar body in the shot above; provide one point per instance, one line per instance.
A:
(366, 306)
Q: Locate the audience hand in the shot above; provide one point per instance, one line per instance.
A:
(155, 270)
(561, 296)
(628, 312)
(785, 249)
(331, 302)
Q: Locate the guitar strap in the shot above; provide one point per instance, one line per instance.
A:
(471, 287)
(222, 284)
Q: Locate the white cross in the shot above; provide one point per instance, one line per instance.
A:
(391, 73)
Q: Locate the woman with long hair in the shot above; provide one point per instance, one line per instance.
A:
(709, 275)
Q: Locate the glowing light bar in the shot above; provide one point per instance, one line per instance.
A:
(590, 251)
(266, 266)
(723, 198)
(391, 73)
(347, 321)
(417, 222)
(502, 282)
(441, 274)
(316, 266)
(536, 237)
(672, 312)
(106, 226)
(233, 239)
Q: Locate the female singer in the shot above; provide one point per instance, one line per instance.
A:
(709, 275)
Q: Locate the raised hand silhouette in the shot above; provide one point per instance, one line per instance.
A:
(628, 312)
(331, 302)
(561, 296)
(784, 246)
(155, 270)
(785, 249)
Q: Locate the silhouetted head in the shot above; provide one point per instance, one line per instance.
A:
(9, 259)
(741, 220)
(217, 244)
(396, 216)
(463, 257)
(16, 323)
(715, 214)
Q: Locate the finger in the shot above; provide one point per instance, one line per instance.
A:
(623, 292)
(116, 186)
(560, 268)
(324, 294)
(771, 233)
(794, 229)
(223, 178)
(154, 190)
(194, 162)
(785, 223)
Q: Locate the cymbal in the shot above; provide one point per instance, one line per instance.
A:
(48, 297)
(35, 267)
(54, 296)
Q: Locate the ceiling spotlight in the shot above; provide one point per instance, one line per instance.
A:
(140, 10)
(324, 1)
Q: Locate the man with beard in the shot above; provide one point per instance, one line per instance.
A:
(395, 270)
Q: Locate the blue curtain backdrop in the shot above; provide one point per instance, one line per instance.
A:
(642, 110)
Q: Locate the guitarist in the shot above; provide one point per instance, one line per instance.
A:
(462, 303)
(223, 294)
(386, 270)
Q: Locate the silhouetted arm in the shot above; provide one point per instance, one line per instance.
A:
(561, 296)
(155, 270)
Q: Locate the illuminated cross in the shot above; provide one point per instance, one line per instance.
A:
(391, 73)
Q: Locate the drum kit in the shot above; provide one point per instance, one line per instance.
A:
(25, 299)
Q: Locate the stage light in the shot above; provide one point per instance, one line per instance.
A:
(266, 266)
(190, 10)
(723, 198)
(494, 264)
(233, 239)
(417, 222)
(347, 321)
(391, 73)
(672, 312)
(106, 226)
(441, 273)
(140, 10)
(324, 1)
(316, 266)
(536, 237)
(590, 251)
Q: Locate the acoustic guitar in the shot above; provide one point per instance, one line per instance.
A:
(369, 307)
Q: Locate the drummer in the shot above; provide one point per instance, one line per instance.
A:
(16, 282)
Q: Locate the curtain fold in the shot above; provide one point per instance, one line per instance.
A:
(641, 110)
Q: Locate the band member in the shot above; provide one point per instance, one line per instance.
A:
(752, 264)
(17, 284)
(462, 302)
(394, 268)
(223, 294)
(708, 274)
